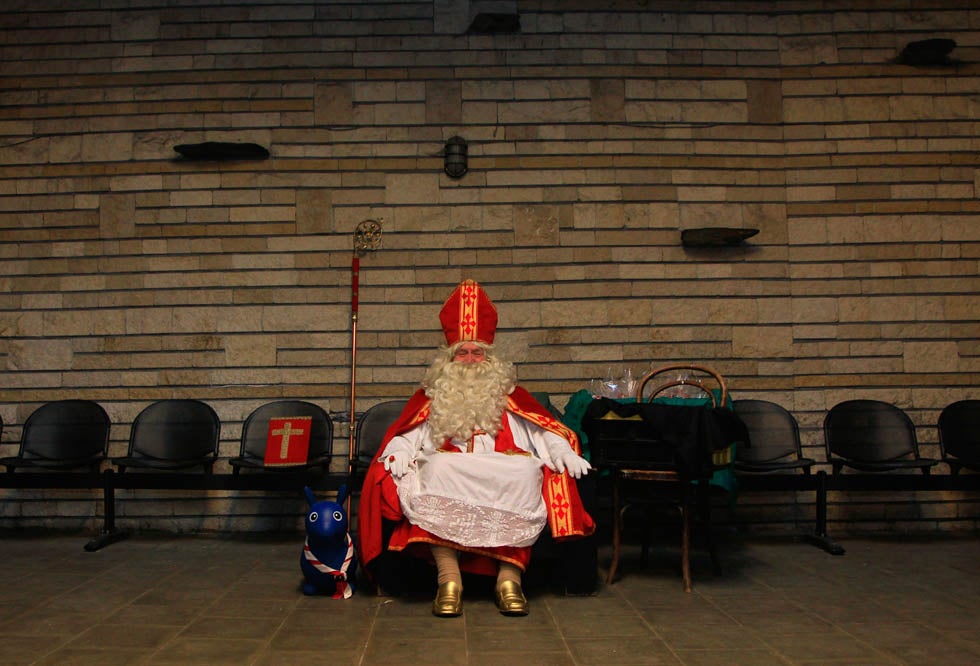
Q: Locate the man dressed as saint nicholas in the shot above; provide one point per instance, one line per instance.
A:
(474, 468)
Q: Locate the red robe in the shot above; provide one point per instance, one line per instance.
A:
(567, 517)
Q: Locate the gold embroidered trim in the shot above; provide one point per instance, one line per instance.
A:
(468, 311)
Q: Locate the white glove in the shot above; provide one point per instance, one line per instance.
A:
(576, 465)
(397, 463)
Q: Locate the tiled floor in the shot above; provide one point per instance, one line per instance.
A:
(201, 600)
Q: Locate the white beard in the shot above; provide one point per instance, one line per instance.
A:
(467, 397)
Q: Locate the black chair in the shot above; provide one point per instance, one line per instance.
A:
(545, 400)
(388, 573)
(392, 573)
(63, 435)
(172, 435)
(774, 439)
(370, 430)
(255, 434)
(872, 436)
(959, 435)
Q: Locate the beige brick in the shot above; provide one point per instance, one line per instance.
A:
(865, 109)
(107, 148)
(487, 89)
(125, 183)
(958, 229)
(680, 311)
(314, 211)
(765, 101)
(400, 114)
(608, 100)
(886, 308)
(412, 188)
(694, 215)
(148, 321)
(30, 355)
(962, 307)
(116, 216)
(333, 104)
(814, 310)
(478, 113)
(763, 341)
(196, 198)
(374, 91)
(633, 312)
(302, 318)
(722, 89)
(806, 50)
(65, 149)
(813, 110)
(253, 350)
(551, 89)
(443, 102)
(561, 111)
(665, 215)
(262, 214)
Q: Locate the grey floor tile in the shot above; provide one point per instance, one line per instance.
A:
(173, 614)
(11, 609)
(326, 637)
(947, 654)
(525, 639)
(521, 658)
(787, 623)
(486, 615)
(209, 626)
(448, 628)
(687, 636)
(17, 650)
(622, 624)
(124, 636)
(93, 657)
(623, 651)
(46, 621)
(893, 632)
(211, 651)
(825, 646)
(698, 613)
(415, 651)
(271, 657)
(730, 657)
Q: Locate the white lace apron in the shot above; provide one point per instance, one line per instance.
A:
(476, 499)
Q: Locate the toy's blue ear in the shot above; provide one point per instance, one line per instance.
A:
(342, 494)
(310, 497)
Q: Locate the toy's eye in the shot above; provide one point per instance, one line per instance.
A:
(312, 517)
(337, 515)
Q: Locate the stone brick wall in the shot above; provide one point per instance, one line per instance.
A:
(596, 134)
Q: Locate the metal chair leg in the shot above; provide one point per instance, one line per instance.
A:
(617, 529)
(686, 546)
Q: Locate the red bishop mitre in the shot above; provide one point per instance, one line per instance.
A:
(468, 315)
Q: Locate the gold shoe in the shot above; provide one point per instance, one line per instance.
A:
(510, 598)
(449, 600)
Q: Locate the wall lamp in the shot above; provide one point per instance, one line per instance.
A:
(455, 157)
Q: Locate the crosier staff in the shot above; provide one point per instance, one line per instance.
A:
(367, 238)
